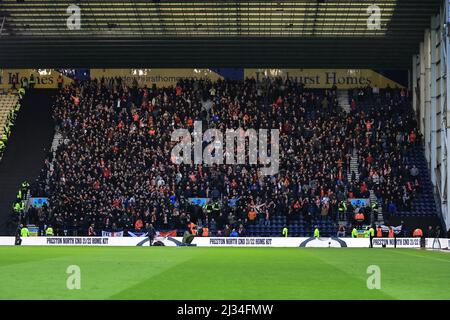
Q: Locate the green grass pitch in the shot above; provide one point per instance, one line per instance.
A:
(222, 273)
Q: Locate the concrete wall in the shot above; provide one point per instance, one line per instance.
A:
(430, 88)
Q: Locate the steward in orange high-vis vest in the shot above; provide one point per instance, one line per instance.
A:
(205, 232)
(193, 228)
(391, 232)
(418, 233)
(379, 232)
(138, 224)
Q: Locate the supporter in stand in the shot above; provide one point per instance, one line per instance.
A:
(114, 165)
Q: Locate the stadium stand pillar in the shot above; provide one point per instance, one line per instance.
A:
(433, 94)
(445, 125)
(426, 116)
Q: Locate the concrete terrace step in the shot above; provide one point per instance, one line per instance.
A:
(342, 96)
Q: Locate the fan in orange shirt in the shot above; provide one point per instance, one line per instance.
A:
(251, 215)
(138, 224)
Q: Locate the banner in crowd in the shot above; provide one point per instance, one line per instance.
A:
(44, 79)
(34, 230)
(112, 234)
(170, 233)
(397, 229)
(38, 202)
(359, 202)
(233, 202)
(137, 233)
(326, 78)
(199, 201)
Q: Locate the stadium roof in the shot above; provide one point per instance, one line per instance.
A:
(207, 33)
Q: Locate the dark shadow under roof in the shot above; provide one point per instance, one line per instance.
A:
(146, 33)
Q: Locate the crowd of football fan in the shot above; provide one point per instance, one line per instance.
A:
(386, 131)
(113, 170)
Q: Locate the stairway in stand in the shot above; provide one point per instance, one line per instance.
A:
(353, 166)
(342, 96)
(378, 219)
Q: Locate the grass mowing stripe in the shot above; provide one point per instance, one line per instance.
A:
(104, 271)
(403, 251)
(221, 273)
(356, 273)
(17, 255)
(251, 273)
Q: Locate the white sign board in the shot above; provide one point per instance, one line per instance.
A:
(277, 242)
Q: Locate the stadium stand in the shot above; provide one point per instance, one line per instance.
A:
(394, 146)
(424, 204)
(110, 170)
